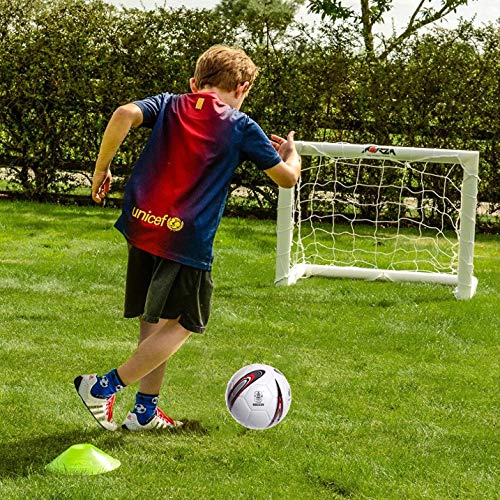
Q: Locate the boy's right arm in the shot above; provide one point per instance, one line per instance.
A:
(123, 119)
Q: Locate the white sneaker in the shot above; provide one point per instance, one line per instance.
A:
(159, 421)
(100, 408)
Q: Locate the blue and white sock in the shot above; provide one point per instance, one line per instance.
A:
(145, 407)
(107, 385)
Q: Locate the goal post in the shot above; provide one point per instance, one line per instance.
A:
(380, 213)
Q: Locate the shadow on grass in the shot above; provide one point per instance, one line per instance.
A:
(188, 427)
(24, 456)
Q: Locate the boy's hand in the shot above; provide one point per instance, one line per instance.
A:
(287, 172)
(101, 184)
(284, 147)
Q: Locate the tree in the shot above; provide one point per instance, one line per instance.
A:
(262, 18)
(373, 12)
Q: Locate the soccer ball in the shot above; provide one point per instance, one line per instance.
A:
(258, 396)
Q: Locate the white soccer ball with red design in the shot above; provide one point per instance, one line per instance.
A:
(258, 396)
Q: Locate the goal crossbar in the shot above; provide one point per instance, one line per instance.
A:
(462, 278)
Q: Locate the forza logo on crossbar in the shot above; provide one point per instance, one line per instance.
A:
(378, 149)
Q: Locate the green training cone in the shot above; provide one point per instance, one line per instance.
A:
(83, 459)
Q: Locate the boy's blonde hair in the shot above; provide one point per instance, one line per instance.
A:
(224, 67)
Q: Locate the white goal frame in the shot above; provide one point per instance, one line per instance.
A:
(463, 280)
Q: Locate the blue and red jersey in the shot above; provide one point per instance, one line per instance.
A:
(178, 188)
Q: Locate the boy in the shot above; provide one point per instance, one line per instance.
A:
(172, 207)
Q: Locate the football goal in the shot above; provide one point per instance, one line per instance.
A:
(380, 213)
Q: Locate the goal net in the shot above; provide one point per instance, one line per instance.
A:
(380, 213)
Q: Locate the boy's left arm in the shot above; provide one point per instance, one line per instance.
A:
(287, 172)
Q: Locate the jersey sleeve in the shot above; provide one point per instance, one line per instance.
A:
(257, 147)
(151, 107)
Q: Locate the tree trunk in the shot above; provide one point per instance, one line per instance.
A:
(367, 24)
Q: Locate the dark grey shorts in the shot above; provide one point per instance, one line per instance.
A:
(160, 288)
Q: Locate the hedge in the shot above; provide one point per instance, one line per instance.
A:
(65, 65)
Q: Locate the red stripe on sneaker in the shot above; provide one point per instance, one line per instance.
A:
(109, 407)
(161, 414)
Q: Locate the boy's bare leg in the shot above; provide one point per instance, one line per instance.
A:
(152, 354)
(151, 383)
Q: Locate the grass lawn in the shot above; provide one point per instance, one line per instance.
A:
(395, 386)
